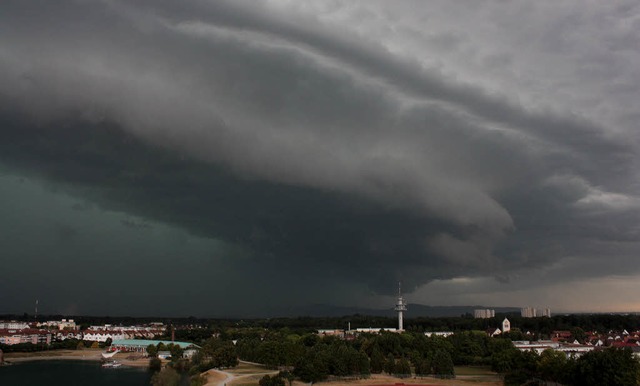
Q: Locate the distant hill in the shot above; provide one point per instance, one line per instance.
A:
(413, 311)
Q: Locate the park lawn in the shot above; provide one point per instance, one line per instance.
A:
(246, 368)
(248, 380)
(474, 370)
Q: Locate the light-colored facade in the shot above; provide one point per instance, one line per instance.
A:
(28, 335)
(506, 325)
(375, 330)
(140, 345)
(569, 349)
(13, 325)
(484, 314)
(443, 334)
(530, 312)
(102, 336)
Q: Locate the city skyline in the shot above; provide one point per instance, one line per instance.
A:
(211, 157)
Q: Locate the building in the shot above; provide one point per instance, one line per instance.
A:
(13, 325)
(443, 334)
(375, 330)
(484, 314)
(68, 334)
(528, 312)
(60, 324)
(506, 325)
(333, 332)
(26, 335)
(569, 349)
(102, 336)
(140, 345)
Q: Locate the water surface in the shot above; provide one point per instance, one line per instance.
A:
(71, 373)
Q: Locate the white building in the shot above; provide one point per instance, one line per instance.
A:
(484, 314)
(13, 325)
(102, 336)
(528, 312)
(60, 324)
(506, 325)
(375, 330)
(443, 334)
(569, 349)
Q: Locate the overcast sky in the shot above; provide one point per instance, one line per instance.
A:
(234, 157)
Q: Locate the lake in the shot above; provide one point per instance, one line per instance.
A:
(71, 373)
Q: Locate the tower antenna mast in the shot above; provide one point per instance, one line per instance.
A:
(401, 306)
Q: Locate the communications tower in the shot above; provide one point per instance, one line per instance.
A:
(401, 306)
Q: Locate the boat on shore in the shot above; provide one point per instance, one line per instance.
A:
(111, 364)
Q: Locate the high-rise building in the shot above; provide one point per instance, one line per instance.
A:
(530, 312)
(484, 314)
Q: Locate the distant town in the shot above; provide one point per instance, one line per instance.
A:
(498, 348)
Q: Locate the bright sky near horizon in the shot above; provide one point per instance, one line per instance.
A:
(233, 157)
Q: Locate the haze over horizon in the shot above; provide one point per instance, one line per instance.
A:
(211, 157)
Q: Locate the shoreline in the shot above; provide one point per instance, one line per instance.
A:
(51, 358)
(68, 355)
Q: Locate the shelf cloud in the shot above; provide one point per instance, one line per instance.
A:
(317, 152)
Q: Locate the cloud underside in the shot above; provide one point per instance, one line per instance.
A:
(315, 148)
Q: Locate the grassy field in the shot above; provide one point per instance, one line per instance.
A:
(245, 368)
(474, 370)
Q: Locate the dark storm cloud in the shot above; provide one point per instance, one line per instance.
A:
(349, 143)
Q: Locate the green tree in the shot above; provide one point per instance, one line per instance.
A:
(552, 365)
(422, 367)
(176, 352)
(364, 366)
(152, 351)
(167, 377)
(524, 367)
(314, 365)
(155, 364)
(377, 360)
(270, 354)
(390, 364)
(198, 380)
(442, 364)
(288, 376)
(578, 334)
(225, 356)
(613, 366)
(275, 380)
(403, 368)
